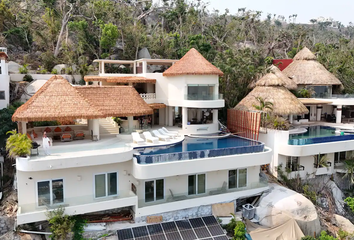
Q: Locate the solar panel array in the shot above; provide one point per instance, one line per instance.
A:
(204, 228)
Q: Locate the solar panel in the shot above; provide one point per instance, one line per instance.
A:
(205, 228)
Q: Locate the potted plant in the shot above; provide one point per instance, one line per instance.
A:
(18, 145)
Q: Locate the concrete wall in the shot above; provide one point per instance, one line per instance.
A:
(4, 84)
(19, 77)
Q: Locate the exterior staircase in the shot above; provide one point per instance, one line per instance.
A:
(108, 126)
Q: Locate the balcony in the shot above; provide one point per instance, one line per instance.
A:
(76, 205)
(183, 200)
(148, 97)
(209, 97)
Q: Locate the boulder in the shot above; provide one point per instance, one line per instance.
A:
(14, 67)
(281, 203)
(59, 67)
(338, 196)
(344, 224)
(144, 53)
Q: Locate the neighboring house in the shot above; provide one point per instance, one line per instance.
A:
(105, 171)
(322, 133)
(4, 79)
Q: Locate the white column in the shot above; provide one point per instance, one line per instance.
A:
(24, 127)
(184, 117)
(339, 114)
(134, 66)
(170, 116)
(144, 67)
(166, 115)
(130, 123)
(89, 125)
(319, 113)
(102, 67)
(291, 118)
(215, 116)
(96, 128)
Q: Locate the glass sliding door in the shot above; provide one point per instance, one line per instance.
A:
(196, 184)
(106, 184)
(154, 190)
(238, 178)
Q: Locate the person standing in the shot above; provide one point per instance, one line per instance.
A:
(46, 144)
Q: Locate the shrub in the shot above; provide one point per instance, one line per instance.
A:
(48, 60)
(350, 202)
(78, 228)
(27, 78)
(23, 69)
(45, 123)
(308, 238)
(61, 224)
(54, 71)
(82, 82)
(310, 194)
(18, 144)
(239, 231)
(104, 55)
(69, 70)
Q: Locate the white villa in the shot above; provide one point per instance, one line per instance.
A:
(326, 130)
(4, 80)
(94, 168)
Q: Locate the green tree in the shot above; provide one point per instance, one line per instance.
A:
(109, 36)
(239, 231)
(6, 124)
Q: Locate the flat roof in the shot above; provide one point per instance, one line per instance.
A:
(148, 60)
(312, 101)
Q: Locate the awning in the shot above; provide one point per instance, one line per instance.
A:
(312, 101)
(157, 105)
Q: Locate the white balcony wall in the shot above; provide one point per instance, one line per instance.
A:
(160, 170)
(78, 183)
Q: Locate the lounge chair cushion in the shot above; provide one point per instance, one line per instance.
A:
(47, 129)
(68, 129)
(57, 129)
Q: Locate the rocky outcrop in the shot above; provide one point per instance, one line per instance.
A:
(281, 203)
(14, 67)
(344, 224)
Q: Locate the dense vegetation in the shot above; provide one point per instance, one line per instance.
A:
(42, 33)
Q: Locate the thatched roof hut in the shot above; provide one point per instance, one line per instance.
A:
(272, 89)
(193, 63)
(120, 79)
(56, 100)
(272, 78)
(117, 101)
(306, 70)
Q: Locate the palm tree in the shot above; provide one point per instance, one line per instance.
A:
(321, 161)
(263, 105)
(349, 168)
(18, 144)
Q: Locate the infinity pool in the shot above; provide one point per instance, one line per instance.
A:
(193, 148)
(318, 134)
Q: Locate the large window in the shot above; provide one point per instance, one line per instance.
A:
(50, 192)
(322, 91)
(2, 95)
(199, 116)
(292, 163)
(238, 178)
(200, 92)
(196, 184)
(106, 184)
(154, 190)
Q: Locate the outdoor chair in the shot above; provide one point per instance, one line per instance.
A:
(160, 136)
(150, 138)
(168, 131)
(177, 198)
(66, 137)
(172, 135)
(79, 135)
(137, 139)
(223, 189)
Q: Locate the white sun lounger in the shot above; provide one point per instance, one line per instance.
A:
(167, 131)
(150, 138)
(160, 136)
(137, 139)
(172, 135)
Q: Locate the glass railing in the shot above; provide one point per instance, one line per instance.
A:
(316, 140)
(74, 201)
(209, 192)
(203, 96)
(342, 95)
(189, 155)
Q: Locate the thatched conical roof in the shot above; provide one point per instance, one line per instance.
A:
(284, 102)
(192, 63)
(275, 78)
(56, 100)
(117, 101)
(306, 70)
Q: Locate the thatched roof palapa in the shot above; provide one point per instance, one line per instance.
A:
(273, 79)
(120, 79)
(56, 100)
(117, 101)
(192, 63)
(306, 70)
(272, 89)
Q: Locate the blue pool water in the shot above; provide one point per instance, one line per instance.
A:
(192, 148)
(318, 134)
